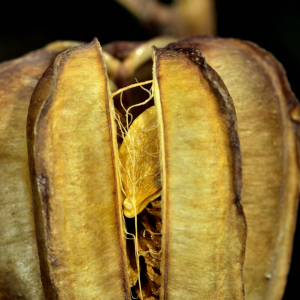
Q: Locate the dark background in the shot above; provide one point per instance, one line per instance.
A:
(25, 27)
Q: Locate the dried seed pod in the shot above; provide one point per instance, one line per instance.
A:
(19, 266)
(263, 99)
(74, 166)
(268, 125)
(199, 150)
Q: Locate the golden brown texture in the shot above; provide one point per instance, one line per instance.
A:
(150, 247)
(140, 174)
(273, 116)
(268, 125)
(77, 211)
(19, 267)
(139, 163)
(203, 225)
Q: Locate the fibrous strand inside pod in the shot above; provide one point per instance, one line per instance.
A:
(141, 185)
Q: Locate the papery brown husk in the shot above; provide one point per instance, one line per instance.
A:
(19, 266)
(268, 125)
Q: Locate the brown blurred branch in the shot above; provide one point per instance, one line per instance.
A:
(182, 18)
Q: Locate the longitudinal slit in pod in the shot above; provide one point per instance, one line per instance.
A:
(135, 180)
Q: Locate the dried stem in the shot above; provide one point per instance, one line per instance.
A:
(182, 18)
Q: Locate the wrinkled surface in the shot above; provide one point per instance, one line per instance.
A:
(268, 117)
(203, 226)
(19, 266)
(150, 247)
(72, 172)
